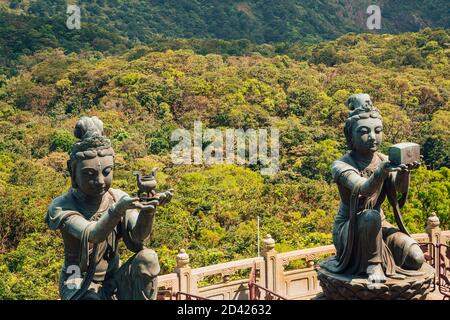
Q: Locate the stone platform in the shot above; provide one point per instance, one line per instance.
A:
(347, 287)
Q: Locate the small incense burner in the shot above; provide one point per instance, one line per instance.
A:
(146, 185)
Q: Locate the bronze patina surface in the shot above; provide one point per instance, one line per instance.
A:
(92, 218)
(367, 245)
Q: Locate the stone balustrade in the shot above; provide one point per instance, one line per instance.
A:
(272, 269)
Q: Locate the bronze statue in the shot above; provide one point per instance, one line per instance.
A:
(365, 242)
(93, 217)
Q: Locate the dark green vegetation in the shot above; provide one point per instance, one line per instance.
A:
(142, 96)
(27, 26)
(238, 65)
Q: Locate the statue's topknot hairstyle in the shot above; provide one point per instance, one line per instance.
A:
(88, 126)
(361, 107)
(92, 142)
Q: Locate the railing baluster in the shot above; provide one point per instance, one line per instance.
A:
(270, 279)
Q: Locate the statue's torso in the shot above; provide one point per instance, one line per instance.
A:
(107, 260)
(347, 163)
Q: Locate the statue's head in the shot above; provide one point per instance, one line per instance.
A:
(364, 126)
(91, 160)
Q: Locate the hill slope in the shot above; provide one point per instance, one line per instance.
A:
(113, 26)
(257, 20)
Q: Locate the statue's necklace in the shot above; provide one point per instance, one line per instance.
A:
(366, 169)
(93, 214)
(96, 214)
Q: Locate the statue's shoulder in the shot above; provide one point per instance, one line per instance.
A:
(60, 209)
(341, 165)
(64, 201)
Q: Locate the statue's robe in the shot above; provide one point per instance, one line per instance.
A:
(103, 276)
(356, 246)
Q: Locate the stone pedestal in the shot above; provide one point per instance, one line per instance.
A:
(348, 287)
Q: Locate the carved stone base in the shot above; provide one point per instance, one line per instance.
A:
(347, 287)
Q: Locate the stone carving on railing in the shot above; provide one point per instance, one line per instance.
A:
(182, 259)
(433, 228)
(269, 243)
(225, 269)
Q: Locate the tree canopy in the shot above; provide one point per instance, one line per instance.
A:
(143, 94)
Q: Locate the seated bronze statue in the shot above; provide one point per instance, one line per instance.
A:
(93, 217)
(365, 242)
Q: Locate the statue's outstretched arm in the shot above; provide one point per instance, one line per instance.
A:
(99, 230)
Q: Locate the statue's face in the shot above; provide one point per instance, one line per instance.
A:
(94, 176)
(367, 135)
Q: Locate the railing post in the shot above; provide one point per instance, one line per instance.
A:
(433, 230)
(270, 260)
(183, 270)
(434, 236)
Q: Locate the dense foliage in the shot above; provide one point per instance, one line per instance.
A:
(260, 21)
(143, 95)
(113, 26)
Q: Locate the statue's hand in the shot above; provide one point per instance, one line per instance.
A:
(126, 203)
(389, 167)
(148, 207)
(414, 165)
(165, 197)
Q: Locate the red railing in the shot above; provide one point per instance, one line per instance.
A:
(441, 279)
(433, 253)
(429, 252)
(165, 294)
(169, 295)
(255, 289)
(444, 270)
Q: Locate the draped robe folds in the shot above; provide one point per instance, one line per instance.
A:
(356, 248)
(98, 263)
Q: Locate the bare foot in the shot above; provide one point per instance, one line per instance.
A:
(376, 273)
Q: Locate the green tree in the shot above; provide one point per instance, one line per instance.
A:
(62, 140)
(317, 163)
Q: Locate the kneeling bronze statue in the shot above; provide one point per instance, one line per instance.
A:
(93, 217)
(366, 244)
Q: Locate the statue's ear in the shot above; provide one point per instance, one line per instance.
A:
(73, 182)
(72, 178)
(348, 137)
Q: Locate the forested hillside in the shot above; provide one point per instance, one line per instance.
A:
(113, 26)
(143, 95)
